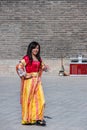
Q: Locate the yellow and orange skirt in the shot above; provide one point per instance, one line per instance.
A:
(32, 99)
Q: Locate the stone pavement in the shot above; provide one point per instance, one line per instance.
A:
(66, 103)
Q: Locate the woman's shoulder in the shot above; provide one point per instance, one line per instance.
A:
(26, 58)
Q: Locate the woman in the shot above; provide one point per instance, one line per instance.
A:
(32, 97)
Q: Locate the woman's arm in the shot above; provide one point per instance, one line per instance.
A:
(20, 69)
(45, 67)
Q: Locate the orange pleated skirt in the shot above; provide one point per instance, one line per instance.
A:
(32, 100)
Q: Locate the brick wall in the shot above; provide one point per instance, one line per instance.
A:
(60, 26)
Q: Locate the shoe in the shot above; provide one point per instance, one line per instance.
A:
(27, 123)
(41, 122)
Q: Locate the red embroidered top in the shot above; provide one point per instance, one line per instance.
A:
(30, 67)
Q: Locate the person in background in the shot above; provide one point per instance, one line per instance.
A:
(32, 98)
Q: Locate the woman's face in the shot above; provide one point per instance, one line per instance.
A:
(35, 50)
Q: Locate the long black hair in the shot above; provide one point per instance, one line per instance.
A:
(31, 46)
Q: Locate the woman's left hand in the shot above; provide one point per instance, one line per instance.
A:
(46, 68)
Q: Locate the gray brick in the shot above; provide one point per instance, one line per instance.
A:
(60, 26)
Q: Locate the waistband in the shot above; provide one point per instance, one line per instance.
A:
(34, 74)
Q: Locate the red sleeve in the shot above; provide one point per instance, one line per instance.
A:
(26, 58)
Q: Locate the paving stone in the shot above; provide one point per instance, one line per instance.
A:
(66, 103)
